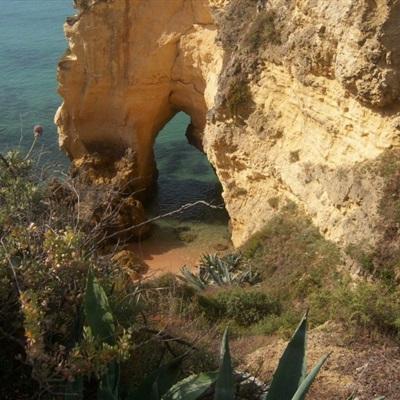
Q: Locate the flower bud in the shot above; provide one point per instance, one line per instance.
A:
(37, 131)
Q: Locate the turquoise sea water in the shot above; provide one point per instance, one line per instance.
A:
(31, 42)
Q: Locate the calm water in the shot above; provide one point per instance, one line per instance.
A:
(31, 42)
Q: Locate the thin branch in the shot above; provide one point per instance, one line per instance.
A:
(166, 337)
(28, 154)
(168, 214)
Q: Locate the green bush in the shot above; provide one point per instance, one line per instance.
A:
(365, 305)
(282, 323)
(244, 307)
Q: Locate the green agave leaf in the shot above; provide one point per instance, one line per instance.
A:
(158, 382)
(191, 388)
(225, 386)
(101, 323)
(109, 383)
(292, 366)
(215, 276)
(227, 273)
(192, 279)
(307, 382)
(74, 390)
(98, 312)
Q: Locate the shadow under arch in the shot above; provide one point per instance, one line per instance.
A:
(184, 176)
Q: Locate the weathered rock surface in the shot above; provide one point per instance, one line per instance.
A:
(299, 102)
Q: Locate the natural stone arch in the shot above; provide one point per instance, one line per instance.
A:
(119, 91)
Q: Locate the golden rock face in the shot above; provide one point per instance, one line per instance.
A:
(322, 111)
(131, 66)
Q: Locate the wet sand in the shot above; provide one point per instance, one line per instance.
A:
(174, 244)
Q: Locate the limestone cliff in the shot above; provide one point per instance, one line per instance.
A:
(290, 100)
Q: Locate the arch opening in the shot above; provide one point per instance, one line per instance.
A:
(184, 176)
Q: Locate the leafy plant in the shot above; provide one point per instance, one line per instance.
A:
(225, 386)
(101, 323)
(220, 271)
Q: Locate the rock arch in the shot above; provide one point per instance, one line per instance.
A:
(122, 82)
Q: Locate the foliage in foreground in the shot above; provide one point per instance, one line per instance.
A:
(290, 381)
(44, 259)
(45, 254)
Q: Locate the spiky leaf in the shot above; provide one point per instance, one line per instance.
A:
(109, 383)
(158, 382)
(191, 279)
(292, 366)
(307, 382)
(192, 387)
(74, 390)
(98, 312)
(225, 386)
(101, 323)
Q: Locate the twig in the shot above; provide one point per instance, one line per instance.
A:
(168, 214)
(167, 337)
(28, 154)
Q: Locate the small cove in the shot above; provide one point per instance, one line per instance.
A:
(32, 41)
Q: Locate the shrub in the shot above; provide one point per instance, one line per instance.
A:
(44, 258)
(365, 305)
(282, 323)
(244, 307)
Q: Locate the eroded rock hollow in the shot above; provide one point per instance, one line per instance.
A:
(292, 102)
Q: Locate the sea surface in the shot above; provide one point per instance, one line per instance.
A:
(31, 42)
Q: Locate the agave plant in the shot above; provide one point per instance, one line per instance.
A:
(290, 381)
(100, 321)
(220, 271)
